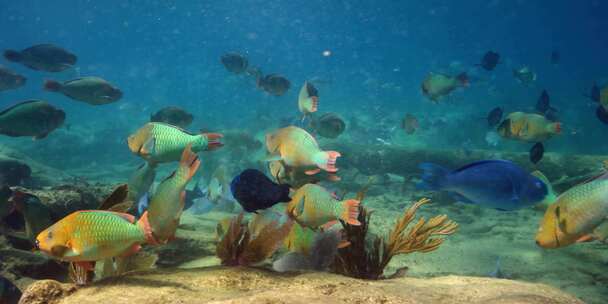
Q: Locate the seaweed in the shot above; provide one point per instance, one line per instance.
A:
(368, 255)
(238, 248)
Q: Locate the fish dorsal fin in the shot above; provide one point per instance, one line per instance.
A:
(117, 196)
(174, 127)
(18, 105)
(601, 176)
(482, 162)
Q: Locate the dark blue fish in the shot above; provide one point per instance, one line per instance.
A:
(542, 105)
(495, 184)
(489, 60)
(602, 114)
(255, 191)
(537, 152)
(494, 117)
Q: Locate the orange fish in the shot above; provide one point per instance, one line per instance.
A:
(313, 206)
(168, 201)
(297, 148)
(94, 235)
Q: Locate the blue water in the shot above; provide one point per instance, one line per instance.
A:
(162, 53)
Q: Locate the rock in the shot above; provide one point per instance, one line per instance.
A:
(40, 175)
(21, 263)
(47, 292)
(65, 199)
(248, 285)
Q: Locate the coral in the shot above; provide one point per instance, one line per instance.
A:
(368, 255)
(236, 247)
(46, 292)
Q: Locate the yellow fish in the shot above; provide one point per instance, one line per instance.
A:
(528, 127)
(579, 214)
(168, 201)
(436, 86)
(297, 148)
(313, 206)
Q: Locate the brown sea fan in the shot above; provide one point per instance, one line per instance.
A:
(236, 248)
(368, 255)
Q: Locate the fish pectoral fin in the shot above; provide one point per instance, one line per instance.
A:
(148, 147)
(601, 232)
(59, 250)
(40, 136)
(88, 266)
(585, 238)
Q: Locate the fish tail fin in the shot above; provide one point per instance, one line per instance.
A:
(314, 104)
(52, 85)
(350, 212)
(144, 225)
(189, 162)
(213, 141)
(463, 78)
(556, 128)
(326, 160)
(12, 55)
(433, 177)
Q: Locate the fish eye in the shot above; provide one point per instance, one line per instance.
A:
(37, 244)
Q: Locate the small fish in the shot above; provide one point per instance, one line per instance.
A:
(255, 191)
(140, 182)
(308, 100)
(43, 57)
(528, 127)
(174, 116)
(92, 90)
(524, 75)
(497, 184)
(602, 114)
(555, 57)
(536, 152)
(492, 138)
(494, 117)
(234, 62)
(37, 216)
(436, 86)
(297, 148)
(160, 143)
(10, 80)
(9, 293)
(35, 118)
(274, 84)
(579, 214)
(328, 125)
(192, 195)
(93, 235)
(489, 60)
(167, 203)
(409, 124)
(542, 105)
(313, 206)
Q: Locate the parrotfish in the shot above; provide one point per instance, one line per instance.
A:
(91, 90)
(9, 80)
(93, 235)
(34, 118)
(37, 216)
(524, 75)
(174, 116)
(497, 184)
(255, 191)
(436, 86)
(167, 203)
(160, 143)
(234, 62)
(313, 206)
(297, 148)
(140, 181)
(529, 127)
(489, 60)
(43, 57)
(579, 214)
(308, 100)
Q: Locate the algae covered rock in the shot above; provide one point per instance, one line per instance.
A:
(245, 285)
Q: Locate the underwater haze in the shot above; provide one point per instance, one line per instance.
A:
(402, 91)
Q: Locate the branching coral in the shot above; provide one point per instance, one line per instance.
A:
(237, 247)
(367, 258)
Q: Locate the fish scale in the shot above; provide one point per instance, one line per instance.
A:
(587, 206)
